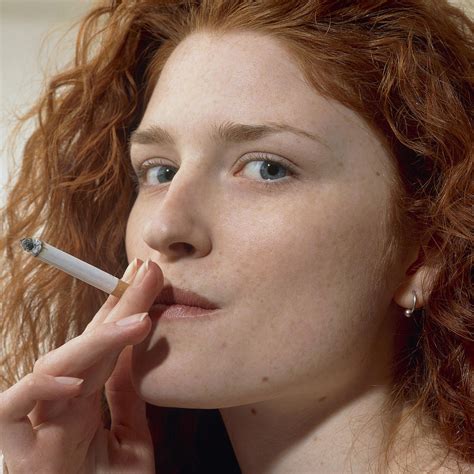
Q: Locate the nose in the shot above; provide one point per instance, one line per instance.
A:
(177, 220)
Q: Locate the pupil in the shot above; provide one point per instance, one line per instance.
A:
(167, 173)
(271, 167)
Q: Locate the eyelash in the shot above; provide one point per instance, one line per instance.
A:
(140, 173)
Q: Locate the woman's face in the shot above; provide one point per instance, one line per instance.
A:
(293, 254)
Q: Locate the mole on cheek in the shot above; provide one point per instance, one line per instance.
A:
(254, 412)
(264, 379)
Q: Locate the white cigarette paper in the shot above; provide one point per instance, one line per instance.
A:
(74, 266)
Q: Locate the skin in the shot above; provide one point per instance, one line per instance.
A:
(297, 380)
(48, 424)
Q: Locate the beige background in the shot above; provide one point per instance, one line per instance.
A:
(30, 46)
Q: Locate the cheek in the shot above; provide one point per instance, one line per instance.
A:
(133, 238)
(310, 271)
(317, 256)
(328, 236)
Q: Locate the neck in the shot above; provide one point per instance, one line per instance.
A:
(302, 433)
(332, 427)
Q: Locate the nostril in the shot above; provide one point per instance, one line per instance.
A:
(182, 247)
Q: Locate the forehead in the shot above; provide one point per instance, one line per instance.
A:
(247, 78)
(237, 67)
(240, 76)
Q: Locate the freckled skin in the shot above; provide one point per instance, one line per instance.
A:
(296, 269)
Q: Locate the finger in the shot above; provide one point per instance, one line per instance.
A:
(141, 294)
(85, 350)
(112, 300)
(56, 411)
(127, 409)
(78, 420)
(102, 343)
(16, 433)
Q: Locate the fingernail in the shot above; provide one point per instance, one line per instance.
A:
(141, 273)
(130, 271)
(136, 318)
(68, 380)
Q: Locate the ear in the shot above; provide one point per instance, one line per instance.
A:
(419, 278)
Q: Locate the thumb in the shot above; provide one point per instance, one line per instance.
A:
(127, 409)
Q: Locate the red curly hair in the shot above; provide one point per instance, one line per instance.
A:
(405, 66)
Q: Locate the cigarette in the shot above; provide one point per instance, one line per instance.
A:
(74, 266)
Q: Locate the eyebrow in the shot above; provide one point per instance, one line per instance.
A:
(226, 132)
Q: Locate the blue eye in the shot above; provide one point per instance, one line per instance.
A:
(266, 169)
(270, 170)
(158, 172)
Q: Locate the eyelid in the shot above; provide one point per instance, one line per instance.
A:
(262, 156)
(247, 158)
(141, 168)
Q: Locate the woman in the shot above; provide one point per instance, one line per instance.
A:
(305, 167)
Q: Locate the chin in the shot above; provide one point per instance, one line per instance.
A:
(178, 398)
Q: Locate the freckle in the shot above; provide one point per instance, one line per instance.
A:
(377, 173)
(321, 399)
(264, 379)
(223, 345)
(254, 412)
(315, 438)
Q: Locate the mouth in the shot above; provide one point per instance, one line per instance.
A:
(179, 311)
(171, 295)
(177, 303)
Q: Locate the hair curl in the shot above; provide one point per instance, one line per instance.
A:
(405, 66)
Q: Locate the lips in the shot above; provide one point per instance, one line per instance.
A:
(175, 296)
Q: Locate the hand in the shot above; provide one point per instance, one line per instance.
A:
(54, 425)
